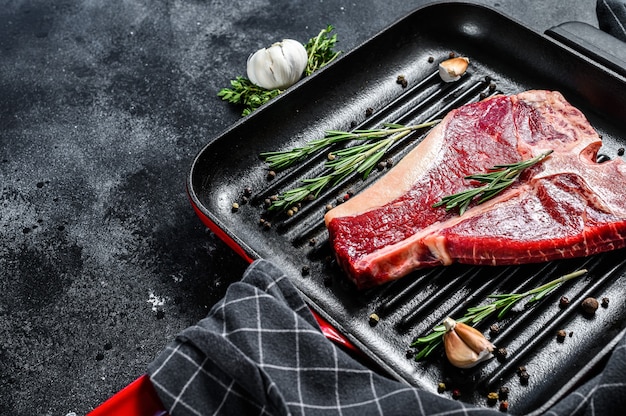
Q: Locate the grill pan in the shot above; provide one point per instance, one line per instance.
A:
(360, 90)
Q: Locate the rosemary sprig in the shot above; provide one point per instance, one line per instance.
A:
(361, 158)
(279, 160)
(496, 181)
(320, 52)
(502, 303)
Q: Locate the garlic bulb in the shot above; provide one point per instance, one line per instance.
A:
(452, 69)
(279, 66)
(465, 346)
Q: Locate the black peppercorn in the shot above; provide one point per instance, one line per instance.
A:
(589, 305)
(402, 81)
(503, 392)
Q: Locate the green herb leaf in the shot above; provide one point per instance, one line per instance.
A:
(501, 177)
(242, 92)
(320, 50)
(476, 314)
(360, 158)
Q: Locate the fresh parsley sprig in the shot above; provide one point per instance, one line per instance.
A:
(244, 92)
(502, 303)
(360, 158)
(496, 181)
(320, 52)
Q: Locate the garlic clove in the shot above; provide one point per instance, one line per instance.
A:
(473, 338)
(457, 351)
(279, 66)
(465, 346)
(452, 69)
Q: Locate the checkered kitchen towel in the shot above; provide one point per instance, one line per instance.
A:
(260, 352)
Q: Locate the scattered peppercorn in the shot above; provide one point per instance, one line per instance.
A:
(560, 335)
(523, 377)
(306, 270)
(402, 81)
(389, 162)
(247, 191)
(346, 197)
(267, 225)
(605, 302)
(620, 151)
(482, 96)
(381, 165)
(504, 406)
(441, 387)
(503, 392)
(494, 329)
(235, 207)
(409, 353)
(456, 394)
(244, 200)
(452, 54)
(373, 319)
(329, 207)
(331, 156)
(564, 302)
(312, 242)
(271, 175)
(492, 398)
(492, 87)
(501, 354)
(589, 305)
(290, 212)
(431, 59)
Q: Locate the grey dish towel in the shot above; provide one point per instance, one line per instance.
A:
(260, 352)
(612, 17)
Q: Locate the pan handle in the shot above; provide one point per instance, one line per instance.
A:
(593, 43)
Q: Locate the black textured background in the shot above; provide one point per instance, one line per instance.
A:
(103, 105)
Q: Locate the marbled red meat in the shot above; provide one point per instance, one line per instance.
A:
(566, 206)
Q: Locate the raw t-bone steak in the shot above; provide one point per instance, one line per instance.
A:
(565, 206)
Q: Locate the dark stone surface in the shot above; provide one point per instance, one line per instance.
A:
(102, 107)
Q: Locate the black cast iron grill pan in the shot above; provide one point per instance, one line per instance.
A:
(360, 90)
